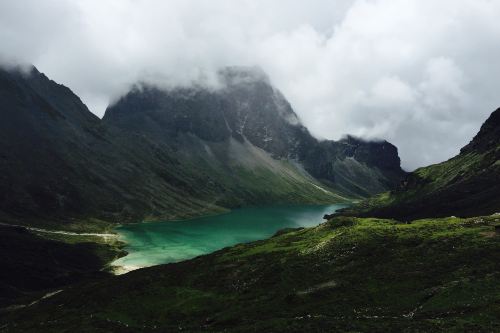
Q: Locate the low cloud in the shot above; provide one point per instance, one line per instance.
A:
(419, 73)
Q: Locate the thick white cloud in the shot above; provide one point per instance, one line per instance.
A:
(419, 73)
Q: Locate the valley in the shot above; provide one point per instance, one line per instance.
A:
(228, 166)
(210, 206)
(68, 177)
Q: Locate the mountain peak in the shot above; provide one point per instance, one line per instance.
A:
(488, 136)
(250, 110)
(235, 75)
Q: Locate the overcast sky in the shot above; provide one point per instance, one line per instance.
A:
(423, 74)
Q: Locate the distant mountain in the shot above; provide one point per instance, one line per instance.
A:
(163, 154)
(227, 126)
(466, 185)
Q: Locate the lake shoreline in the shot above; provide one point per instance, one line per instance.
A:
(155, 243)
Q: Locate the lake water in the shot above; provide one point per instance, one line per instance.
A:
(157, 243)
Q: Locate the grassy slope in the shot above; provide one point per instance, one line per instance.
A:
(466, 185)
(237, 174)
(195, 185)
(281, 182)
(33, 264)
(348, 274)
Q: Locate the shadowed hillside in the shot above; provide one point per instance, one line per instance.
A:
(466, 185)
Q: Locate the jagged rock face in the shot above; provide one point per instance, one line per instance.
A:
(381, 154)
(356, 167)
(248, 108)
(258, 112)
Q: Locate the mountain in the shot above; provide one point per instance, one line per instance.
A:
(59, 162)
(247, 118)
(166, 154)
(345, 275)
(466, 185)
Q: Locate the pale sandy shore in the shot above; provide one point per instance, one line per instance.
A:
(122, 269)
(59, 232)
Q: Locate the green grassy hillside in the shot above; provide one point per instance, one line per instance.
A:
(349, 274)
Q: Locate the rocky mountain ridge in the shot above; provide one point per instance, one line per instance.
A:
(249, 109)
(169, 154)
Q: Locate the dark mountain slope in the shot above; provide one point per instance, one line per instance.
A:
(58, 161)
(466, 185)
(248, 110)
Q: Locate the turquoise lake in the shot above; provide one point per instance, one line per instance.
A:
(157, 243)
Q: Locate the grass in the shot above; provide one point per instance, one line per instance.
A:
(33, 265)
(466, 185)
(349, 274)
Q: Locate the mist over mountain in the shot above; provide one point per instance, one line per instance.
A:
(365, 68)
(247, 109)
(169, 154)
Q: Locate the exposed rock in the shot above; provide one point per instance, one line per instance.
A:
(248, 108)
